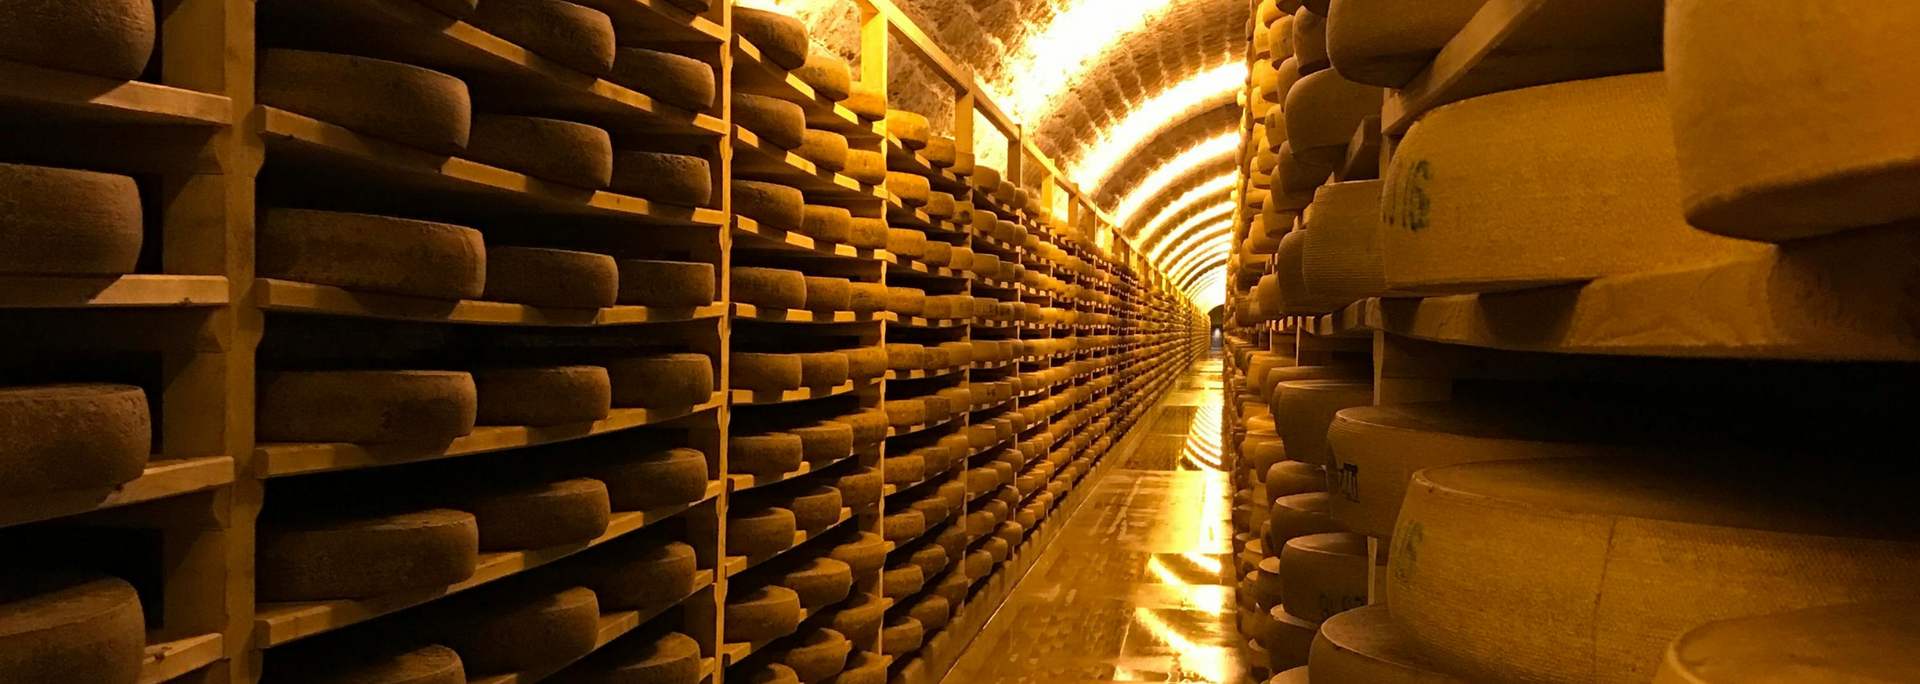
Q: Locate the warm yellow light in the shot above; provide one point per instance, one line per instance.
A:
(1180, 248)
(1071, 43)
(1145, 121)
(1183, 271)
(1213, 186)
(1210, 290)
(1156, 248)
(1209, 150)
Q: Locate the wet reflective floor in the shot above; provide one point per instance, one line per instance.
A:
(1138, 586)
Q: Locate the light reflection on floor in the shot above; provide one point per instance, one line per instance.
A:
(1138, 586)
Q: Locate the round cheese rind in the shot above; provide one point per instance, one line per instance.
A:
(826, 441)
(869, 233)
(821, 653)
(781, 38)
(542, 396)
(775, 120)
(830, 224)
(866, 553)
(68, 222)
(903, 581)
(72, 437)
(760, 531)
(112, 39)
(1304, 408)
(820, 582)
(773, 288)
(1488, 558)
(941, 151)
(1310, 42)
(827, 74)
(650, 480)
(541, 516)
(366, 407)
(674, 658)
(678, 80)
(372, 253)
(1340, 242)
(62, 624)
(537, 276)
(1758, 98)
(766, 372)
(365, 557)
(769, 612)
(676, 179)
(1323, 110)
(776, 206)
(1297, 515)
(661, 382)
(1450, 196)
(769, 454)
(548, 149)
(1860, 642)
(1361, 646)
(1325, 574)
(859, 488)
(578, 37)
(665, 284)
(866, 363)
(910, 128)
(826, 149)
(910, 188)
(866, 102)
(902, 636)
(399, 102)
(524, 632)
(864, 668)
(1386, 43)
(640, 574)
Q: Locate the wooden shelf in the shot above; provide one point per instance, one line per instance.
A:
(1512, 44)
(657, 20)
(283, 459)
(923, 427)
(762, 160)
(753, 73)
(502, 76)
(752, 398)
(929, 323)
(43, 95)
(280, 623)
(909, 267)
(739, 564)
(168, 661)
(899, 215)
(298, 297)
(749, 312)
(767, 237)
(899, 158)
(613, 626)
(106, 292)
(449, 183)
(739, 482)
(924, 373)
(163, 478)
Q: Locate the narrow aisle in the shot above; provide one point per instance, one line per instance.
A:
(1138, 585)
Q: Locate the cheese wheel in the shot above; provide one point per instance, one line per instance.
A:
(364, 557)
(907, 242)
(821, 653)
(901, 636)
(869, 233)
(643, 480)
(1387, 43)
(815, 508)
(1361, 646)
(906, 469)
(901, 582)
(68, 222)
(1269, 583)
(665, 284)
(867, 102)
(773, 288)
(826, 149)
(537, 276)
(676, 179)
(941, 151)
(911, 129)
(869, 425)
(1287, 478)
(661, 382)
(939, 205)
(1461, 214)
(1280, 41)
(776, 206)
(72, 437)
(985, 178)
(578, 37)
(1297, 515)
(1340, 245)
(1295, 182)
(399, 102)
(828, 74)
(366, 407)
(60, 624)
(1325, 574)
(782, 123)
(824, 369)
(673, 658)
(866, 363)
(1862, 642)
(547, 149)
(756, 531)
(1489, 558)
(781, 38)
(954, 587)
(678, 80)
(769, 612)
(1310, 42)
(829, 224)
(907, 301)
(903, 526)
(1305, 408)
(1289, 640)
(932, 611)
(978, 565)
(864, 668)
(905, 357)
(542, 515)
(820, 582)
(909, 188)
(640, 574)
(931, 559)
(766, 455)
(1757, 99)
(864, 554)
(111, 39)
(387, 665)
(372, 253)
(542, 396)
(825, 441)
(1323, 111)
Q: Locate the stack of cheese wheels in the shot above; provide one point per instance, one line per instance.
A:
(1760, 158)
(1464, 214)
(1387, 43)
(1340, 245)
(1858, 642)
(1585, 569)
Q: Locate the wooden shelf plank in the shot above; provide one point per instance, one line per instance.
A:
(282, 459)
(752, 398)
(924, 373)
(167, 661)
(739, 482)
(103, 292)
(280, 623)
(893, 431)
(768, 237)
(657, 20)
(163, 478)
(463, 182)
(298, 297)
(48, 95)
(753, 313)
(899, 158)
(1512, 44)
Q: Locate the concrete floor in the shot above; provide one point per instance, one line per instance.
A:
(1138, 587)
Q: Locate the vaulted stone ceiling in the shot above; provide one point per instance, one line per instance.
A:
(1112, 90)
